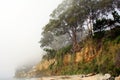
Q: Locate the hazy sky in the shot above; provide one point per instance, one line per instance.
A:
(21, 22)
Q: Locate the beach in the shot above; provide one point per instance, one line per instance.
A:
(77, 77)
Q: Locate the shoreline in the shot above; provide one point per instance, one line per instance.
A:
(77, 77)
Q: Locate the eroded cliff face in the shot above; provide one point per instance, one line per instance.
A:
(67, 59)
(45, 64)
(86, 54)
(35, 70)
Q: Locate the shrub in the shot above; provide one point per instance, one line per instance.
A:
(50, 53)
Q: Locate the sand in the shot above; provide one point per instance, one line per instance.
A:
(74, 77)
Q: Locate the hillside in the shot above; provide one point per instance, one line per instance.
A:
(82, 37)
(96, 56)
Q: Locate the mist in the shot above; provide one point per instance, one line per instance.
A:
(21, 23)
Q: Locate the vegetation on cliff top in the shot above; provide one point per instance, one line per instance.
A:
(76, 24)
(82, 36)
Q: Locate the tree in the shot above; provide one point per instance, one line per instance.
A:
(70, 17)
(116, 16)
(99, 25)
(107, 23)
(46, 39)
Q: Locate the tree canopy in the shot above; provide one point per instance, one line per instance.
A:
(73, 17)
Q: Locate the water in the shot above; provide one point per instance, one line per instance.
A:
(16, 79)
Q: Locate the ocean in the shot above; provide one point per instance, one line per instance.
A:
(17, 79)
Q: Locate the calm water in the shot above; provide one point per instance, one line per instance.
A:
(16, 79)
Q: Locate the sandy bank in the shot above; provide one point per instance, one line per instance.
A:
(77, 77)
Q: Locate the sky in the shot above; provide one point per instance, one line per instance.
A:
(21, 23)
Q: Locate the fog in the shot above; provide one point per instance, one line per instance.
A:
(21, 23)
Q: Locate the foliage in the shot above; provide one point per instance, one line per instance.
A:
(103, 24)
(105, 62)
(99, 35)
(100, 25)
(67, 19)
(50, 54)
(87, 18)
(46, 39)
(61, 52)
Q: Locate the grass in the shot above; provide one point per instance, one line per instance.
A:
(105, 62)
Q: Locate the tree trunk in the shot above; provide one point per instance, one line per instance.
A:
(75, 44)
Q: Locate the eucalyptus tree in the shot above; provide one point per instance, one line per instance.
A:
(46, 39)
(70, 23)
(61, 8)
(71, 15)
(51, 37)
(96, 9)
